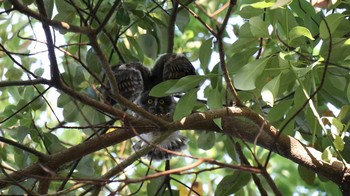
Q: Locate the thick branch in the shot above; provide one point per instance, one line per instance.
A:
(286, 146)
(237, 122)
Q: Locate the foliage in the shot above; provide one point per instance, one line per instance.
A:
(288, 61)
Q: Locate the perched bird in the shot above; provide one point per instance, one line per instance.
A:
(134, 83)
(170, 67)
(132, 80)
(160, 106)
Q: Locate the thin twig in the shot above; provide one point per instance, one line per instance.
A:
(219, 37)
(198, 18)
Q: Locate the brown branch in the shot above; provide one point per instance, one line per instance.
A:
(25, 148)
(219, 37)
(245, 161)
(2, 168)
(25, 82)
(57, 24)
(237, 122)
(171, 27)
(271, 183)
(55, 73)
(95, 104)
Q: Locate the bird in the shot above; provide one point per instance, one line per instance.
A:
(135, 82)
(162, 107)
(132, 79)
(170, 67)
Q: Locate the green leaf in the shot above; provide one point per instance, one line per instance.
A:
(149, 45)
(122, 17)
(160, 89)
(270, 90)
(70, 112)
(260, 5)
(185, 105)
(337, 124)
(205, 53)
(299, 31)
(232, 183)
(182, 19)
(231, 150)
(248, 12)
(39, 71)
(13, 74)
(86, 167)
(52, 143)
(239, 59)
(156, 186)
(301, 72)
(280, 3)
(258, 27)
(215, 102)
(339, 143)
(306, 174)
(38, 103)
(93, 61)
(344, 114)
(63, 100)
(206, 140)
(326, 155)
(331, 24)
(176, 86)
(136, 48)
(214, 98)
(278, 111)
(64, 7)
(49, 5)
(247, 75)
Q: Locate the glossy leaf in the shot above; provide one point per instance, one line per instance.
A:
(176, 86)
(330, 24)
(260, 5)
(306, 174)
(186, 104)
(299, 31)
(245, 78)
(232, 183)
(205, 53)
(280, 3)
(270, 90)
(258, 27)
(149, 45)
(339, 143)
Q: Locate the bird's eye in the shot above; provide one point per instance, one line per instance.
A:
(149, 101)
(161, 101)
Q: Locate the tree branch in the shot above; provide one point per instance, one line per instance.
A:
(219, 37)
(57, 24)
(55, 73)
(171, 27)
(237, 122)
